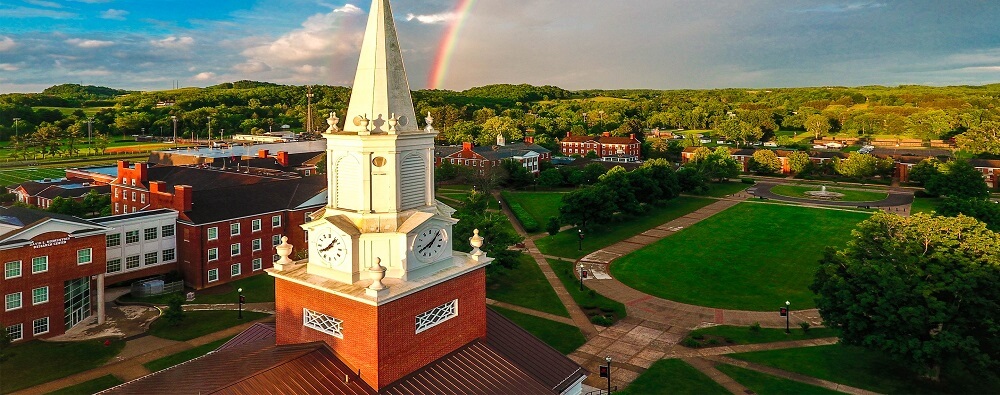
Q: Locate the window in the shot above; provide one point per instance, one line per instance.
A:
(213, 233)
(84, 256)
(132, 236)
(234, 229)
(133, 183)
(255, 245)
(167, 231)
(257, 264)
(255, 225)
(275, 240)
(15, 333)
(39, 264)
(40, 326)
(39, 295)
(116, 207)
(115, 265)
(169, 254)
(132, 262)
(133, 196)
(114, 240)
(150, 258)
(149, 234)
(234, 249)
(213, 254)
(437, 315)
(12, 301)
(275, 221)
(142, 198)
(213, 275)
(234, 270)
(323, 323)
(12, 269)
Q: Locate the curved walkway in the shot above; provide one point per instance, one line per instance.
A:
(896, 198)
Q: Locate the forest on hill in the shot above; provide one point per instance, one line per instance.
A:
(969, 114)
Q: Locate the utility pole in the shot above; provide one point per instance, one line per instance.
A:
(15, 126)
(209, 129)
(309, 110)
(174, 118)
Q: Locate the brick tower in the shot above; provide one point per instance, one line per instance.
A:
(382, 285)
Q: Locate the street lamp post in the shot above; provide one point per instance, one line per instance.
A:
(788, 314)
(608, 360)
(580, 246)
(90, 132)
(242, 300)
(309, 110)
(210, 129)
(174, 118)
(15, 126)
(581, 277)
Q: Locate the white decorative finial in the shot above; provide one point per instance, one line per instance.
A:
(476, 242)
(393, 121)
(430, 123)
(284, 250)
(332, 121)
(377, 274)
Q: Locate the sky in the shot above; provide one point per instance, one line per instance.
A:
(573, 44)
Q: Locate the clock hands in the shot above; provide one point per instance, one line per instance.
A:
(329, 246)
(433, 239)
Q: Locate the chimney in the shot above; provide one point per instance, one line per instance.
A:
(283, 158)
(157, 187)
(467, 146)
(141, 172)
(606, 134)
(123, 165)
(183, 198)
(569, 134)
(631, 136)
(262, 153)
(501, 141)
(529, 139)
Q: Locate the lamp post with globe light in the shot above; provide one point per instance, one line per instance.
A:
(242, 300)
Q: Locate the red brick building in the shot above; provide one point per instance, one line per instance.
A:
(228, 220)
(606, 146)
(482, 158)
(41, 193)
(53, 274)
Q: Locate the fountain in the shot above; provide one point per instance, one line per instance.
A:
(823, 194)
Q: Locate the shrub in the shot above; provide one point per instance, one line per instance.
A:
(755, 327)
(588, 306)
(698, 337)
(175, 311)
(601, 320)
(805, 326)
(592, 293)
(690, 343)
(529, 223)
(553, 226)
(750, 181)
(712, 342)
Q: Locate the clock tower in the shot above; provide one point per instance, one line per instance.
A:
(382, 285)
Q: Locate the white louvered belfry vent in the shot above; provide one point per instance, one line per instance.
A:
(437, 315)
(413, 182)
(349, 183)
(323, 323)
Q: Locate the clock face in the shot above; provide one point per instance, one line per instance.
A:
(330, 248)
(429, 244)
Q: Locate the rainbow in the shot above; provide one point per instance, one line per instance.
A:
(447, 46)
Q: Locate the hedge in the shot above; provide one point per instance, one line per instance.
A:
(529, 222)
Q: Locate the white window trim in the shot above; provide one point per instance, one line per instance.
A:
(47, 326)
(239, 229)
(20, 301)
(90, 258)
(256, 245)
(20, 330)
(238, 268)
(46, 296)
(46, 264)
(275, 225)
(20, 269)
(239, 249)
(209, 277)
(256, 225)
(321, 322)
(208, 233)
(257, 264)
(433, 317)
(209, 254)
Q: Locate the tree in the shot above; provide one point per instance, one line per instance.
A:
(984, 210)
(799, 161)
(592, 172)
(924, 171)
(984, 138)
(550, 178)
(493, 227)
(553, 226)
(101, 142)
(175, 310)
(588, 206)
(616, 181)
(516, 175)
(496, 126)
(818, 125)
(765, 161)
(958, 179)
(922, 289)
(718, 164)
(863, 165)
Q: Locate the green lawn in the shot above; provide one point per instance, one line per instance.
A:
(870, 370)
(33, 363)
(258, 288)
(730, 335)
(591, 302)
(184, 356)
(766, 384)
(200, 323)
(924, 205)
(565, 244)
(850, 195)
(673, 376)
(562, 337)
(16, 176)
(541, 205)
(526, 286)
(749, 257)
(723, 189)
(89, 387)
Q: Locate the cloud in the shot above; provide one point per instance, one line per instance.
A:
(27, 12)
(433, 19)
(204, 76)
(252, 67)
(93, 1)
(836, 8)
(83, 43)
(320, 37)
(6, 43)
(8, 67)
(118, 15)
(100, 72)
(349, 9)
(173, 42)
(43, 3)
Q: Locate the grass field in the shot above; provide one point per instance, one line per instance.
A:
(526, 286)
(850, 195)
(541, 205)
(200, 323)
(766, 384)
(90, 111)
(89, 387)
(673, 376)
(730, 335)
(723, 189)
(31, 363)
(562, 337)
(871, 370)
(749, 257)
(184, 356)
(591, 303)
(16, 176)
(565, 244)
(924, 205)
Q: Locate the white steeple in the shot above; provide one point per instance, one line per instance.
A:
(380, 100)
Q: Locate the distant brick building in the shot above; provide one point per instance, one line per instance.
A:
(482, 158)
(606, 146)
(41, 193)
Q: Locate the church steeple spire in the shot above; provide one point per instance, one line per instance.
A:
(380, 100)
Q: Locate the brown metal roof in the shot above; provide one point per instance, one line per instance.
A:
(472, 369)
(256, 332)
(546, 364)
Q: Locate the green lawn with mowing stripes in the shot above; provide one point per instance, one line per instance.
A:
(17, 176)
